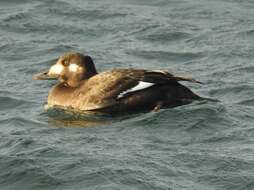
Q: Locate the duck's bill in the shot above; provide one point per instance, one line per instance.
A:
(44, 75)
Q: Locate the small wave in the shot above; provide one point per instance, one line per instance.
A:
(24, 27)
(15, 1)
(222, 138)
(19, 121)
(16, 171)
(165, 37)
(88, 14)
(62, 48)
(232, 90)
(69, 10)
(247, 33)
(241, 68)
(248, 102)
(201, 117)
(231, 135)
(15, 17)
(7, 103)
(169, 56)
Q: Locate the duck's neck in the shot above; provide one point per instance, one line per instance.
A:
(63, 95)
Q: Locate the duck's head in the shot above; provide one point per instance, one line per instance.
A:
(70, 68)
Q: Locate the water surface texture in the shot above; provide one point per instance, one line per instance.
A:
(201, 146)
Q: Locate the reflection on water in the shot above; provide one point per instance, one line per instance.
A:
(62, 122)
(68, 117)
(60, 117)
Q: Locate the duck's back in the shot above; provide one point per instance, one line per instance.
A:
(103, 90)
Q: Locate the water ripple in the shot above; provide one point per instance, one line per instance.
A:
(203, 145)
(7, 103)
(163, 55)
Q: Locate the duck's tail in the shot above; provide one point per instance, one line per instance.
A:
(180, 78)
(195, 96)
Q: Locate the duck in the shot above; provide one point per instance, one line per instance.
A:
(118, 91)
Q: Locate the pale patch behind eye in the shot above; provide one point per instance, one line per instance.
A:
(73, 67)
(56, 69)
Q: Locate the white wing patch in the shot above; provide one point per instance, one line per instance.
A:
(140, 86)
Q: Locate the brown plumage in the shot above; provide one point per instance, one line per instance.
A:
(116, 91)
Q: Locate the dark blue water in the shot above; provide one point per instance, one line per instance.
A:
(201, 146)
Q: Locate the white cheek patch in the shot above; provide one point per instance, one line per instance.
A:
(73, 67)
(140, 86)
(56, 69)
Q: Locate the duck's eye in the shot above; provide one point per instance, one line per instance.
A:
(66, 63)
